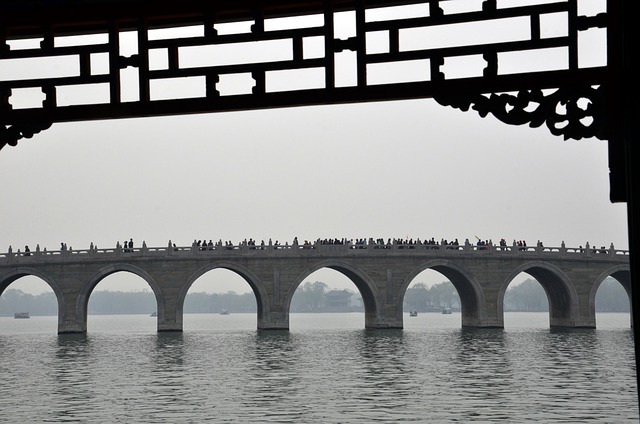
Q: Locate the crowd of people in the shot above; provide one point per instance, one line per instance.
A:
(358, 243)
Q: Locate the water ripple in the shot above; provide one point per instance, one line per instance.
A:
(318, 375)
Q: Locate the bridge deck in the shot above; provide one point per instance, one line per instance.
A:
(219, 250)
(382, 274)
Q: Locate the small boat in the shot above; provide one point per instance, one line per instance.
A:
(154, 314)
(446, 311)
(21, 315)
(224, 312)
(413, 313)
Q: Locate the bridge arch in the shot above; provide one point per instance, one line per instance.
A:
(371, 298)
(10, 277)
(82, 304)
(564, 307)
(472, 300)
(262, 303)
(622, 273)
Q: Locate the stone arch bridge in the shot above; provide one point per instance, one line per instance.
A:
(381, 272)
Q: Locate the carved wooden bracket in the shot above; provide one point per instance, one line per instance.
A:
(574, 113)
(12, 134)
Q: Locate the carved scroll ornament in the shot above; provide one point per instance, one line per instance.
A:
(574, 113)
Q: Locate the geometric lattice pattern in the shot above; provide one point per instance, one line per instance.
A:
(526, 62)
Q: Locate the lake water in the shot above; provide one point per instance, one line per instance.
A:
(326, 369)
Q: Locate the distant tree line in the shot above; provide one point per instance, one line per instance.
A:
(528, 296)
(612, 297)
(317, 297)
(421, 298)
(309, 297)
(13, 301)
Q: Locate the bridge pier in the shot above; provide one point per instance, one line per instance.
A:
(170, 319)
(72, 315)
(383, 323)
(380, 286)
(274, 320)
(166, 326)
(71, 326)
(170, 300)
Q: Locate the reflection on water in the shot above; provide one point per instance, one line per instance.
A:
(326, 369)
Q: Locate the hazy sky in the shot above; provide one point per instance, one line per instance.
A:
(391, 169)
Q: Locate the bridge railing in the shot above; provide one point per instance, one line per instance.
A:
(315, 248)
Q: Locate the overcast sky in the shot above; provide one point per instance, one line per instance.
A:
(392, 169)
